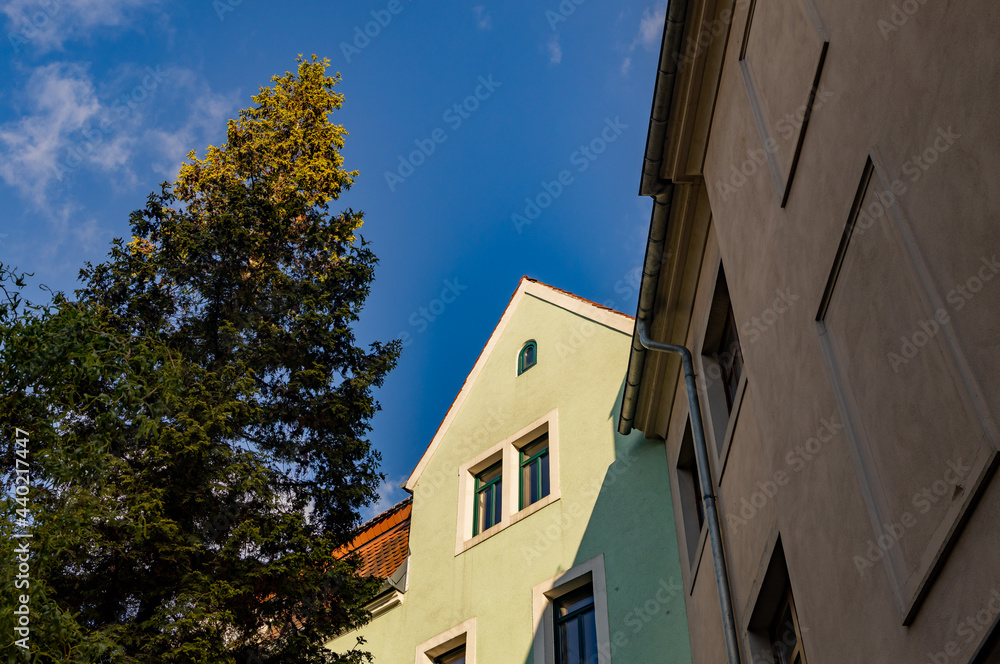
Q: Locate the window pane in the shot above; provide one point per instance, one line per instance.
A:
(545, 475)
(480, 513)
(569, 643)
(534, 447)
(699, 505)
(497, 496)
(490, 473)
(573, 601)
(529, 480)
(588, 628)
(783, 636)
(488, 506)
(576, 627)
(456, 656)
(730, 358)
(535, 471)
(529, 356)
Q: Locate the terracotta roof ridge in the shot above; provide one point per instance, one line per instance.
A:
(376, 527)
(385, 515)
(577, 297)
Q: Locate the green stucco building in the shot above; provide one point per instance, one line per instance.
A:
(537, 533)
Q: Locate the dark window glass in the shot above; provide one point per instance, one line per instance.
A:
(489, 491)
(730, 359)
(527, 358)
(456, 656)
(576, 627)
(534, 471)
(786, 642)
(699, 505)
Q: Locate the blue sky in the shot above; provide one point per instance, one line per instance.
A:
(461, 115)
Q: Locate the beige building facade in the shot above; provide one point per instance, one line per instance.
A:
(825, 238)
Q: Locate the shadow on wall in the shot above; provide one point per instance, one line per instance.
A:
(632, 526)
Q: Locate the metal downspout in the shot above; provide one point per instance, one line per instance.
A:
(707, 488)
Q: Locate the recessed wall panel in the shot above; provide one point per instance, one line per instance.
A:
(919, 443)
(782, 56)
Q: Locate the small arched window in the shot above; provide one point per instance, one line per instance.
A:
(527, 358)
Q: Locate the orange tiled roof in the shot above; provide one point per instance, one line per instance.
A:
(576, 297)
(383, 543)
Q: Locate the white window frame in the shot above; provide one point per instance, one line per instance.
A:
(463, 634)
(544, 596)
(508, 451)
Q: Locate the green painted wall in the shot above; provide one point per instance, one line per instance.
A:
(615, 500)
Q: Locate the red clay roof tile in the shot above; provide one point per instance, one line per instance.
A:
(383, 543)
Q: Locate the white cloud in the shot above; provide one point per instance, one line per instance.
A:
(389, 493)
(47, 25)
(68, 127)
(62, 102)
(483, 20)
(555, 49)
(204, 125)
(651, 27)
(649, 34)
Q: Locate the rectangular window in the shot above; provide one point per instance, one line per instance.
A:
(576, 627)
(786, 639)
(534, 471)
(489, 498)
(723, 368)
(774, 631)
(454, 646)
(730, 358)
(456, 656)
(689, 488)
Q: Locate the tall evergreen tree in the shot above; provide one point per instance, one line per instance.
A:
(197, 416)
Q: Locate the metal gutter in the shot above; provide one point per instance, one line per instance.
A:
(662, 191)
(663, 94)
(647, 297)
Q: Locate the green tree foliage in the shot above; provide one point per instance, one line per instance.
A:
(197, 416)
